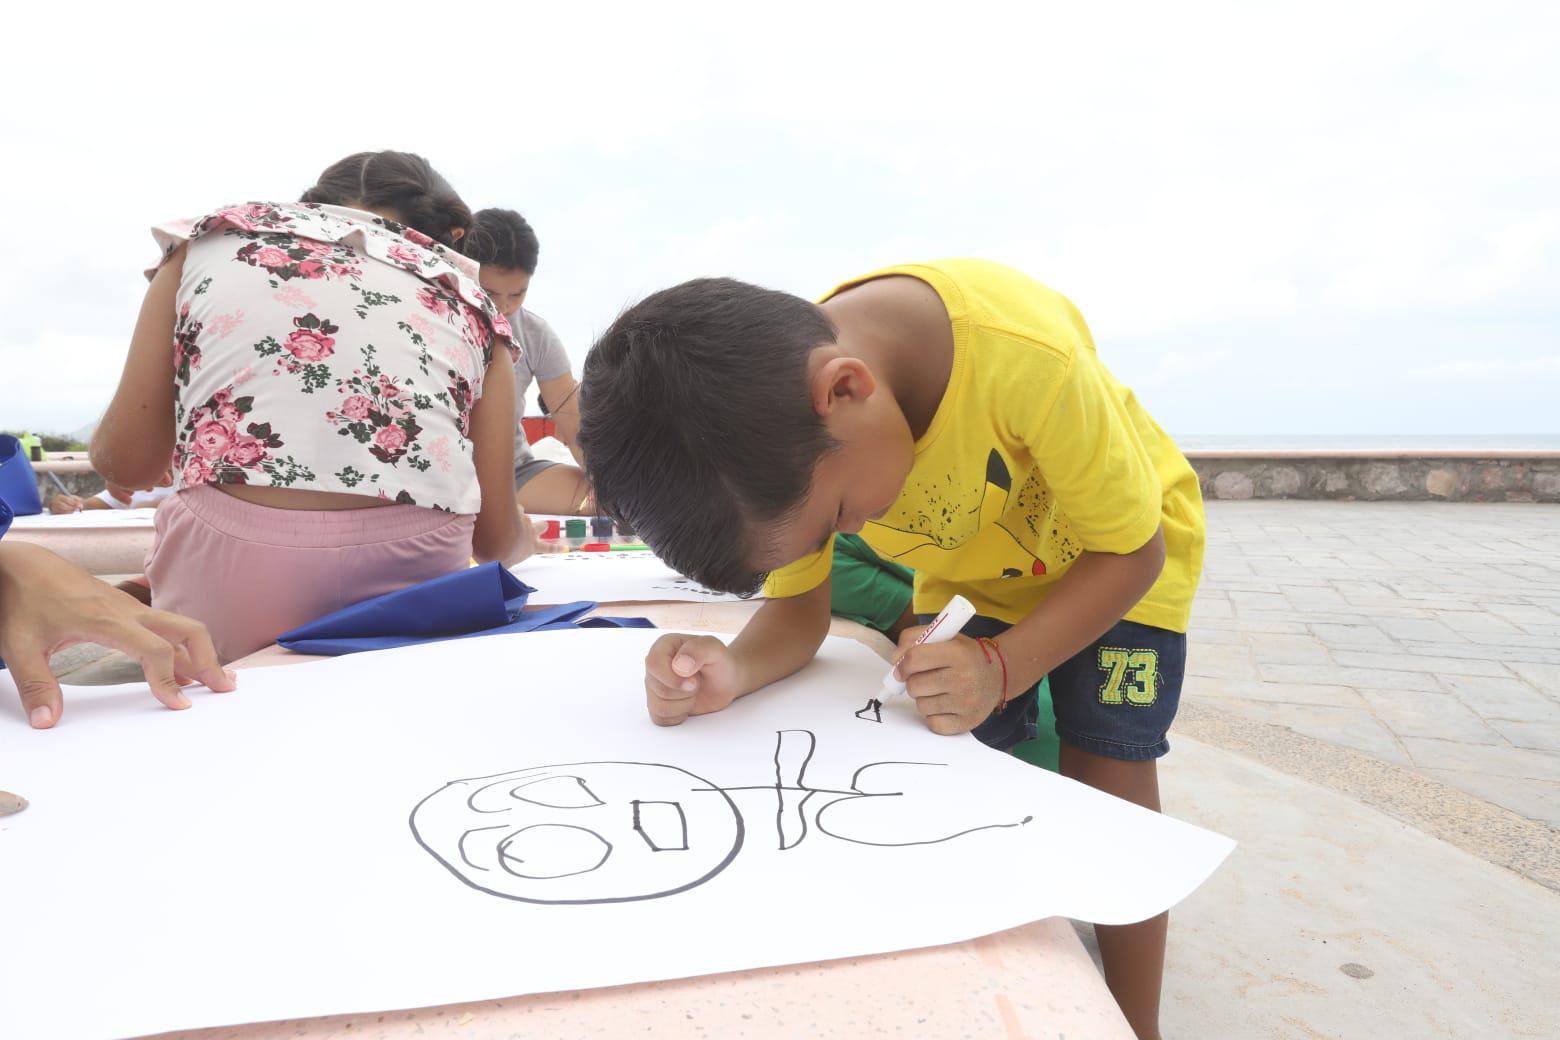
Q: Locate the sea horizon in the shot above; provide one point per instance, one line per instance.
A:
(1370, 442)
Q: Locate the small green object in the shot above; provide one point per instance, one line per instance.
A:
(631, 548)
(574, 528)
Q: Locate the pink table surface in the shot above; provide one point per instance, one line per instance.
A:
(1022, 984)
(96, 550)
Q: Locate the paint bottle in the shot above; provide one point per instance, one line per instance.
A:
(601, 528)
(552, 530)
(574, 531)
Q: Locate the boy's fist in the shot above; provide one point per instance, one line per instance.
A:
(955, 685)
(688, 675)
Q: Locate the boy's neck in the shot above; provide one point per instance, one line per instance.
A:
(900, 328)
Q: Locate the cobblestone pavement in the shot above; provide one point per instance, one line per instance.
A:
(1424, 634)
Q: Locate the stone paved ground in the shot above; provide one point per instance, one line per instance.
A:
(1424, 634)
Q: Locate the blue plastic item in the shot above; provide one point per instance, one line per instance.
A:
(18, 482)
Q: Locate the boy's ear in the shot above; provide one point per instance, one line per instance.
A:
(839, 380)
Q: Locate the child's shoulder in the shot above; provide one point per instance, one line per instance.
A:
(988, 296)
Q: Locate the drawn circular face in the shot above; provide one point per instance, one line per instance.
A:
(584, 832)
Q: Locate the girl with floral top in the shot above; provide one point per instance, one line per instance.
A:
(336, 393)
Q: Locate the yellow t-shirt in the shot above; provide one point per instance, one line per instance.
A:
(1036, 454)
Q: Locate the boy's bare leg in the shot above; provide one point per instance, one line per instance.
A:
(557, 490)
(1134, 954)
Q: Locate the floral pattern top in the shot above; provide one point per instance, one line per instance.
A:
(328, 349)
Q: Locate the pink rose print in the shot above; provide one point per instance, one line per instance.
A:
(212, 450)
(439, 449)
(435, 301)
(293, 296)
(224, 324)
(501, 327)
(310, 345)
(252, 217)
(406, 256)
(319, 250)
(212, 439)
(476, 331)
(413, 235)
(310, 269)
(272, 256)
(186, 348)
(246, 451)
(391, 438)
(380, 413)
(196, 471)
(243, 375)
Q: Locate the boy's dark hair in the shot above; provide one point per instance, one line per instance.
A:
(501, 237)
(399, 181)
(697, 424)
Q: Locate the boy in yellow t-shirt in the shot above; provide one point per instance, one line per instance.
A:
(957, 416)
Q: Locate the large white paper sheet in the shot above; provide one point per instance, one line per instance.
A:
(87, 518)
(469, 820)
(610, 577)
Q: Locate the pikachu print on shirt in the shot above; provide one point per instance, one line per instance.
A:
(1002, 529)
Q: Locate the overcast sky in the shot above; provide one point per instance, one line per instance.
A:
(1330, 219)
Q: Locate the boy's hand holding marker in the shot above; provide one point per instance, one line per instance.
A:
(956, 682)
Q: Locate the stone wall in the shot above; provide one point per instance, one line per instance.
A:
(1532, 476)
(77, 476)
(1526, 476)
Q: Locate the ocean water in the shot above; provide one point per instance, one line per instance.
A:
(1370, 442)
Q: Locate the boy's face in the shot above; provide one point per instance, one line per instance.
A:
(857, 482)
(507, 286)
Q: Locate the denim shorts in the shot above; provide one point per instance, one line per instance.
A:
(1115, 698)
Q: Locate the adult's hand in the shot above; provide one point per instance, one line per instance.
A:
(47, 604)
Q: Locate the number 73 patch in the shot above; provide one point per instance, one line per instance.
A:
(1132, 676)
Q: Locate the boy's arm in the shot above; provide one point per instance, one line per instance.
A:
(693, 675)
(957, 688)
(1095, 593)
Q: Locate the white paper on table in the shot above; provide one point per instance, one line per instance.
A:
(255, 857)
(86, 518)
(610, 577)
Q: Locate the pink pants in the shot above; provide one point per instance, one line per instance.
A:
(250, 572)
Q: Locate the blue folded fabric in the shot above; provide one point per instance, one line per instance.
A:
(5, 523)
(480, 601)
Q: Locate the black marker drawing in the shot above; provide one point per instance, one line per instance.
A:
(616, 832)
(689, 585)
(873, 712)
